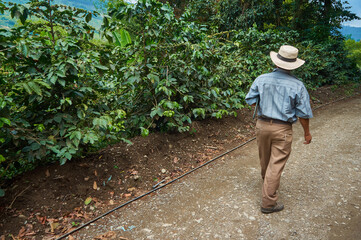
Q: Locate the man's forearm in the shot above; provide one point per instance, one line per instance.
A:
(306, 128)
(306, 125)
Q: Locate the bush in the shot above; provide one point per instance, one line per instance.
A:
(354, 51)
(64, 93)
(55, 99)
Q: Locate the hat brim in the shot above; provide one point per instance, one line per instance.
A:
(286, 65)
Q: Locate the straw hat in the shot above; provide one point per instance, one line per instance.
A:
(286, 58)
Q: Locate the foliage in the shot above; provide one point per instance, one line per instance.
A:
(314, 20)
(354, 49)
(167, 81)
(54, 100)
(64, 93)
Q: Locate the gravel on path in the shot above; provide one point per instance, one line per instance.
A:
(320, 187)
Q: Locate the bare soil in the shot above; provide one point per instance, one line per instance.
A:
(52, 200)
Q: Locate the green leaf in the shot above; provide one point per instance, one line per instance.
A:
(156, 111)
(35, 87)
(2, 192)
(199, 112)
(67, 155)
(90, 138)
(23, 49)
(40, 127)
(144, 131)
(126, 141)
(81, 114)
(24, 16)
(76, 135)
(53, 79)
(88, 17)
(2, 159)
(153, 77)
(27, 88)
(88, 201)
(61, 82)
(122, 38)
(63, 161)
(5, 120)
(35, 146)
(99, 66)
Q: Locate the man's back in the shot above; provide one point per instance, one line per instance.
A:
(282, 96)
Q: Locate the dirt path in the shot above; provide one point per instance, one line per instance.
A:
(320, 187)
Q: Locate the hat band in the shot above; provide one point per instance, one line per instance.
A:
(286, 59)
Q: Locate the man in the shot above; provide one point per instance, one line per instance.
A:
(281, 100)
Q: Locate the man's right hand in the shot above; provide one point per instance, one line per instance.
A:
(308, 138)
(305, 124)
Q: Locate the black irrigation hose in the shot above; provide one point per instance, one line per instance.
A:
(155, 189)
(176, 179)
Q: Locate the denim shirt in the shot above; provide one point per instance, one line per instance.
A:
(281, 96)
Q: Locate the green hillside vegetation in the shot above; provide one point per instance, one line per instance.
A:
(7, 21)
(354, 50)
(84, 4)
(158, 67)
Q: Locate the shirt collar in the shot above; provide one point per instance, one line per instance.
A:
(282, 70)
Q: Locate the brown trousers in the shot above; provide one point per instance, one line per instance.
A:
(274, 142)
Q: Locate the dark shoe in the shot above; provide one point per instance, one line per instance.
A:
(276, 208)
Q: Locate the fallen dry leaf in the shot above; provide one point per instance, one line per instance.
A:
(108, 235)
(127, 195)
(47, 173)
(53, 226)
(132, 189)
(96, 173)
(111, 202)
(26, 231)
(95, 186)
(41, 220)
(50, 220)
(2, 237)
(175, 160)
(133, 172)
(22, 232)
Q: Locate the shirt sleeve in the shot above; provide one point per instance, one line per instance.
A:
(303, 105)
(253, 94)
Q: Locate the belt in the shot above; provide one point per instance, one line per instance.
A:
(271, 120)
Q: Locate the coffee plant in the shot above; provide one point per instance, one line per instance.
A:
(67, 89)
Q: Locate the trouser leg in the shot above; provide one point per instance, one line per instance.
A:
(264, 146)
(280, 136)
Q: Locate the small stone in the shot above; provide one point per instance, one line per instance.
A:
(164, 171)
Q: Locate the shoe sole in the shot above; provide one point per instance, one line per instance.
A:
(267, 211)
